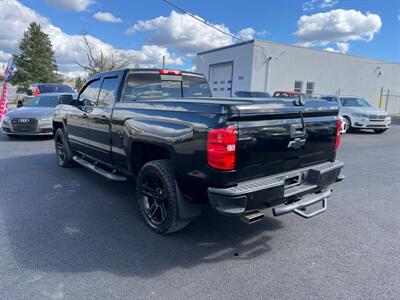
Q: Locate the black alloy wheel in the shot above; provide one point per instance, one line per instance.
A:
(63, 152)
(155, 201)
(60, 149)
(157, 194)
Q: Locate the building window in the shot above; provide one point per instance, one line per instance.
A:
(298, 86)
(215, 89)
(215, 82)
(222, 82)
(222, 89)
(310, 88)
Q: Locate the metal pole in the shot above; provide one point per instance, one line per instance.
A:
(387, 100)
(380, 99)
(163, 62)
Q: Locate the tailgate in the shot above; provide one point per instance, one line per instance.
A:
(277, 136)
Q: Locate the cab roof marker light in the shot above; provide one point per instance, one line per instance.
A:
(170, 72)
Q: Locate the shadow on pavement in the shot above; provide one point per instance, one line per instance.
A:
(71, 220)
(26, 138)
(362, 131)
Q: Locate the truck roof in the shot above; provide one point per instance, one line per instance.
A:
(155, 70)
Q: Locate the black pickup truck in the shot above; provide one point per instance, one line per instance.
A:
(186, 148)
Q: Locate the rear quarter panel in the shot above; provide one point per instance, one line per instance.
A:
(182, 132)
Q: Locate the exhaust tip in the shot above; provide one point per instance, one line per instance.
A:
(252, 217)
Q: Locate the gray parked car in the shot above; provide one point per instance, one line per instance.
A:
(36, 116)
(358, 113)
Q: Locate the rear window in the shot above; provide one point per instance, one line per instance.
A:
(150, 86)
(52, 88)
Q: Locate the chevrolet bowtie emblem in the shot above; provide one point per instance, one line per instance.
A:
(296, 143)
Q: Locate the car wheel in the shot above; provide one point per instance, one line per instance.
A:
(379, 131)
(157, 194)
(63, 151)
(347, 125)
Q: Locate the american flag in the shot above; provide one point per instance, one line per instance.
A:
(3, 99)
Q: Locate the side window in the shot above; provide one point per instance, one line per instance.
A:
(298, 86)
(108, 91)
(88, 97)
(310, 88)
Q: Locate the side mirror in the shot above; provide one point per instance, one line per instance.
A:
(20, 104)
(29, 92)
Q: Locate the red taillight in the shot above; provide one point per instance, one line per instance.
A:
(221, 148)
(36, 91)
(338, 130)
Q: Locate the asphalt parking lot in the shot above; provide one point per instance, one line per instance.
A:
(70, 234)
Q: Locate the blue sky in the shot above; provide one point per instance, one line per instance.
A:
(368, 28)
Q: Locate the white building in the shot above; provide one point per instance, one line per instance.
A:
(265, 66)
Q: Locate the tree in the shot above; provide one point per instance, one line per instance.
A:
(99, 62)
(36, 61)
(79, 82)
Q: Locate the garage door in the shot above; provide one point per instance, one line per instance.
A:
(221, 79)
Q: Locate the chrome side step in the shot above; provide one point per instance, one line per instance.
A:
(299, 207)
(98, 170)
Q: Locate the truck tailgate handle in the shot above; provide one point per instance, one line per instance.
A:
(297, 130)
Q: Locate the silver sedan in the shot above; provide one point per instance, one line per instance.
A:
(35, 117)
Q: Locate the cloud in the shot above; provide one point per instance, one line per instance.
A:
(341, 48)
(16, 17)
(151, 55)
(250, 33)
(4, 56)
(328, 3)
(73, 74)
(71, 5)
(106, 17)
(314, 4)
(337, 26)
(186, 34)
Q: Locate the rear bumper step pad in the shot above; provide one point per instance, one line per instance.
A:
(303, 186)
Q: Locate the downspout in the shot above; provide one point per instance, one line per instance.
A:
(267, 73)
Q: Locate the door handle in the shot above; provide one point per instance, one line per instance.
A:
(84, 116)
(104, 118)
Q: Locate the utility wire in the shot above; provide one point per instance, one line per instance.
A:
(214, 27)
(202, 21)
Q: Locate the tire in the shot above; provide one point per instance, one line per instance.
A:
(379, 131)
(348, 124)
(157, 194)
(63, 151)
